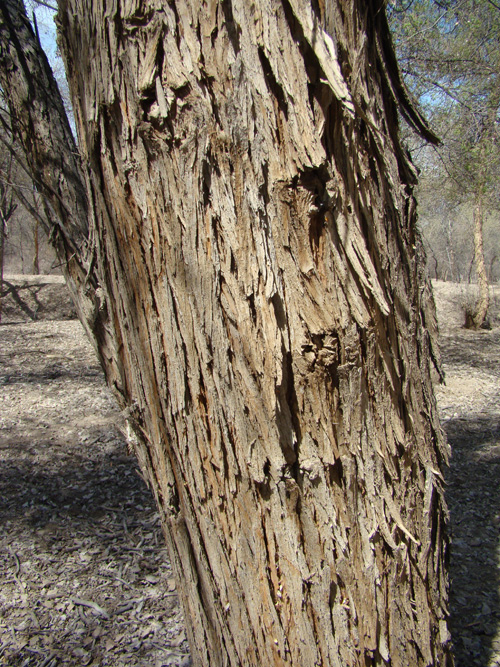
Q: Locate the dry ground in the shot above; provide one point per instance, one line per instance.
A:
(85, 576)
(469, 405)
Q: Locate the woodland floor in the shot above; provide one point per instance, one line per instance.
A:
(85, 578)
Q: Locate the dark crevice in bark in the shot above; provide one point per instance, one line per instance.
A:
(336, 473)
(206, 172)
(296, 29)
(279, 311)
(178, 36)
(203, 401)
(273, 86)
(141, 17)
(287, 402)
(264, 488)
(317, 9)
(147, 100)
(112, 122)
(233, 29)
(206, 83)
(251, 306)
(315, 73)
(265, 540)
(315, 180)
(264, 188)
(213, 36)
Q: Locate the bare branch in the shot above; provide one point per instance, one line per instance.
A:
(46, 4)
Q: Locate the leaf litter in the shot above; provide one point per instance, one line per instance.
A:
(86, 578)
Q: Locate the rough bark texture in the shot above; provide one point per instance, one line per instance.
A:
(270, 331)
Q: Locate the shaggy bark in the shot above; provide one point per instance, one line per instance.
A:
(269, 328)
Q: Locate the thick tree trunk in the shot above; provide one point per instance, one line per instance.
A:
(255, 246)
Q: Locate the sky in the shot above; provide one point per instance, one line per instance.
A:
(47, 32)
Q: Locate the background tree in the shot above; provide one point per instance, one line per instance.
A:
(239, 234)
(23, 248)
(450, 54)
(26, 246)
(20, 214)
(7, 209)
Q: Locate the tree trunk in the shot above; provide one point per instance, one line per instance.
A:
(36, 250)
(255, 247)
(475, 319)
(7, 210)
(2, 254)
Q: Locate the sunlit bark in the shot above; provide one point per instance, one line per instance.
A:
(268, 329)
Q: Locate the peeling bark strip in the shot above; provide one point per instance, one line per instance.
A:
(255, 243)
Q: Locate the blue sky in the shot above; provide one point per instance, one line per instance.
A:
(47, 32)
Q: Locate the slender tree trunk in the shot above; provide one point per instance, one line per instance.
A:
(435, 261)
(36, 250)
(450, 252)
(2, 254)
(255, 244)
(476, 318)
(7, 210)
(491, 273)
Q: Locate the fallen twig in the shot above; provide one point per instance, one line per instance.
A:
(18, 562)
(92, 605)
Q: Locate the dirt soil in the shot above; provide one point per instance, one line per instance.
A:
(469, 406)
(85, 576)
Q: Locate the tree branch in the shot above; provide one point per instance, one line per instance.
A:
(46, 4)
(494, 4)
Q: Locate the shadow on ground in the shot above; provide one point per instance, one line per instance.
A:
(472, 350)
(82, 488)
(31, 298)
(85, 574)
(473, 495)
